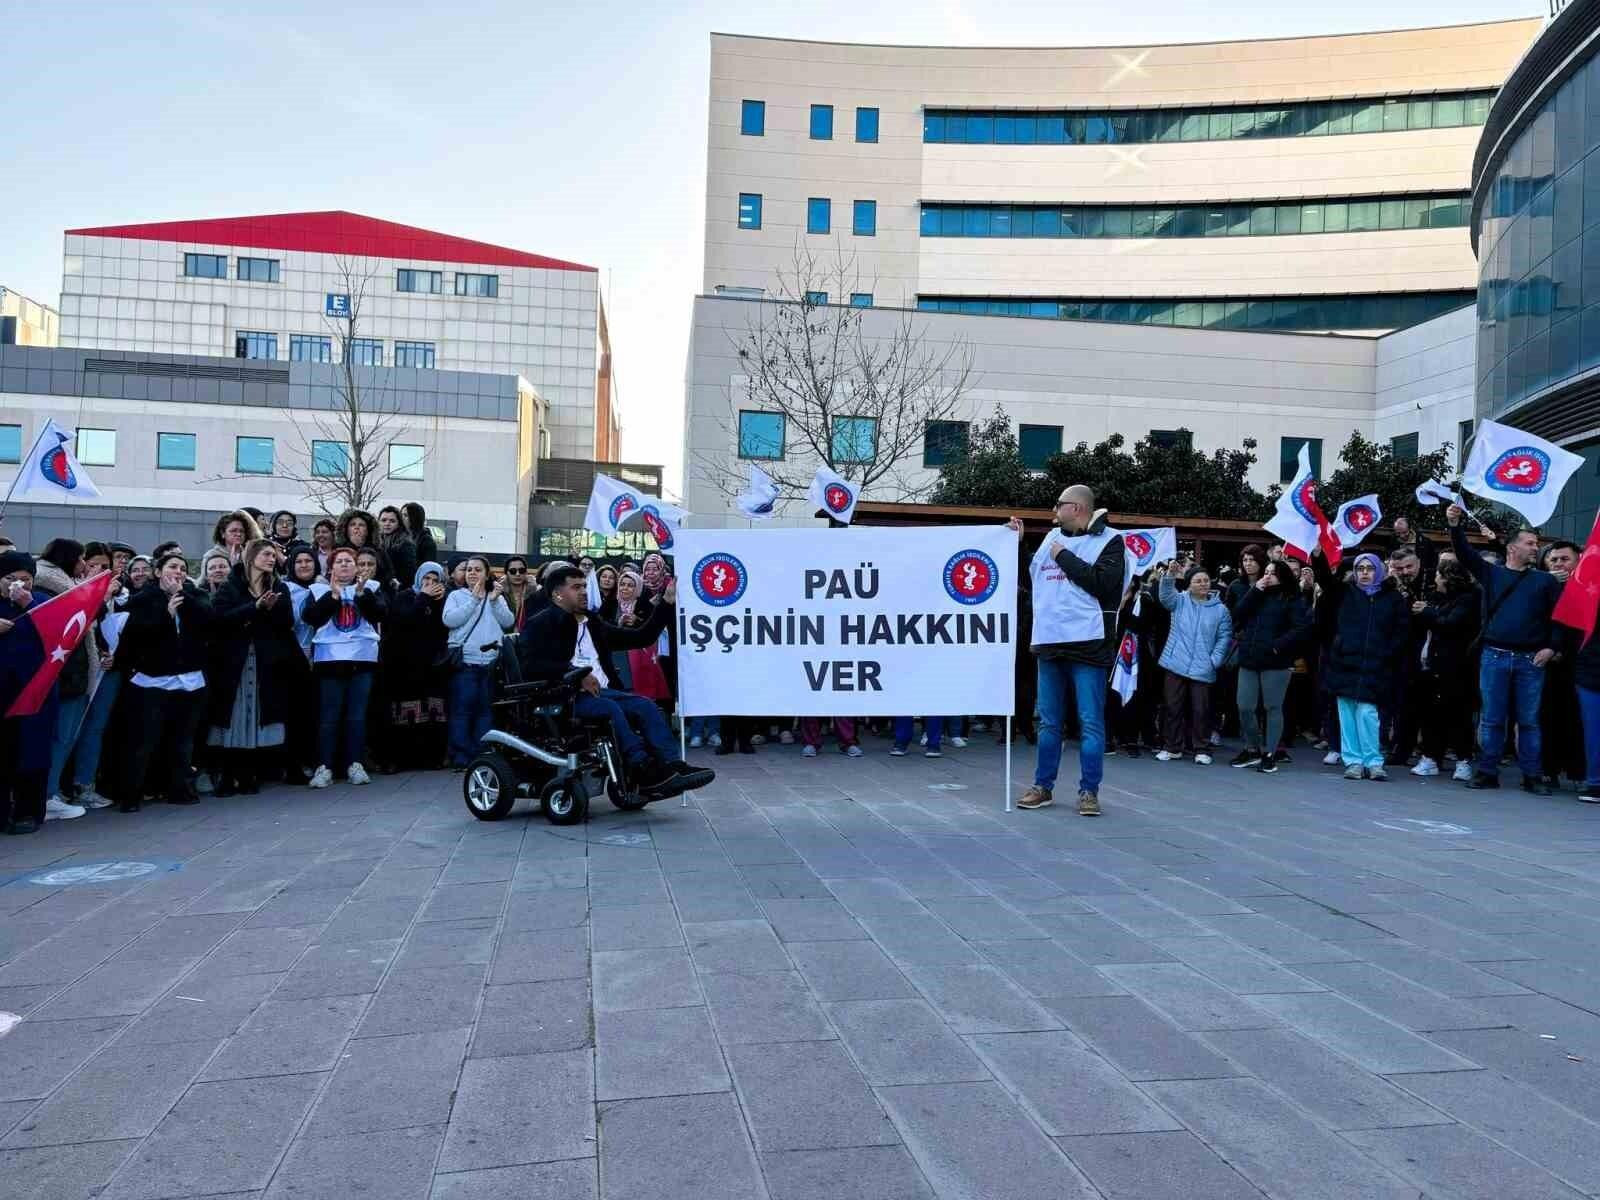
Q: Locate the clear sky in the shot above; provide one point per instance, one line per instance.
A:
(574, 130)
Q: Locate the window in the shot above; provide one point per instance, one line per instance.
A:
(1404, 447)
(468, 284)
(760, 435)
(365, 352)
(1385, 311)
(414, 354)
(855, 439)
(1463, 436)
(1289, 457)
(860, 299)
(252, 455)
(206, 266)
(308, 347)
(10, 443)
(247, 344)
(865, 220)
(749, 210)
(1172, 439)
(405, 462)
(258, 270)
(329, 460)
(866, 124)
(1038, 443)
(822, 122)
(753, 118)
(819, 215)
(944, 442)
(816, 297)
(175, 451)
(97, 447)
(410, 279)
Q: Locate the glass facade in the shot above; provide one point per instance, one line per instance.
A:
(1387, 310)
(1067, 127)
(310, 347)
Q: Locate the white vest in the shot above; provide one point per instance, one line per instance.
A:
(1063, 611)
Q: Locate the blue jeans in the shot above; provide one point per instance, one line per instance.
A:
(68, 721)
(469, 711)
(624, 710)
(1589, 705)
(1089, 693)
(1511, 687)
(93, 732)
(344, 710)
(704, 727)
(904, 727)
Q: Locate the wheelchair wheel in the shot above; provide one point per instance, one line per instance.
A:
(626, 801)
(489, 786)
(565, 801)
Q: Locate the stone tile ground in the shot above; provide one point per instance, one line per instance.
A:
(825, 979)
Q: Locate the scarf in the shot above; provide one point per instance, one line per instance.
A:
(1378, 573)
(626, 607)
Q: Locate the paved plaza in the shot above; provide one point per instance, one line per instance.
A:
(824, 980)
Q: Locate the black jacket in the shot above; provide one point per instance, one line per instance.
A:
(1270, 626)
(1369, 635)
(50, 580)
(1585, 658)
(1450, 625)
(152, 643)
(1522, 601)
(548, 639)
(413, 639)
(237, 625)
(1102, 579)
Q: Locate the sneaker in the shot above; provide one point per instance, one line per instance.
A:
(805, 751)
(1245, 758)
(897, 751)
(933, 752)
(1378, 774)
(1165, 756)
(960, 743)
(696, 742)
(357, 774)
(1203, 759)
(786, 738)
(57, 809)
(715, 741)
(1216, 739)
(93, 799)
(1282, 756)
(1354, 772)
(923, 740)
(1132, 752)
(1463, 773)
(1536, 787)
(1331, 759)
(1425, 767)
(759, 739)
(1481, 782)
(852, 751)
(1590, 793)
(1320, 744)
(320, 778)
(1088, 804)
(203, 784)
(1036, 797)
(1269, 764)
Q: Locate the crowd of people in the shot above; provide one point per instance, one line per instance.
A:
(1401, 658)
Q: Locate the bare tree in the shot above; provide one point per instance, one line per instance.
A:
(856, 401)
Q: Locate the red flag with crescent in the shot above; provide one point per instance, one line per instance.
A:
(61, 624)
(1581, 596)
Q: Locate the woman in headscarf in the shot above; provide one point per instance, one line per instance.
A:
(284, 530)
(1369, 621)
(413, 640)
(627, 609)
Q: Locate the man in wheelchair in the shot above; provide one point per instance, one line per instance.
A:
(567, 635)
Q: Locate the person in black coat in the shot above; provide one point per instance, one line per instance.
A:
(416, 522)
(1369, 621)
(412, 643)
(1270, 625)
(164, 648)
(1586, 675)
(566, 635)
(25, 742)
(252, 668)
(1449, 618)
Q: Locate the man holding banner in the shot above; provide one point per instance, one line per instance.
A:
(1077, 581)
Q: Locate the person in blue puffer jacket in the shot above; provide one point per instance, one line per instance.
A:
(1196, 647)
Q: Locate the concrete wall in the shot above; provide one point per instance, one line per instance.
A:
(1424, 381)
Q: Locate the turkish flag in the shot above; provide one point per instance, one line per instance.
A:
(61, 623)
(1581, 596)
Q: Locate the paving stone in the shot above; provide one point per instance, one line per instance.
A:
(1399, 1000)
(546, 910)
(180, 939)
(1190, 1000)
(1140, 1042)
(784, 882)
(656, 1052)
(712, 896)
(874, 895)
(64, 957)
(1444, 975)
(429, 998)
(533, 1018)
(978, 998)
(70, 1172)
(533, 957)
(569, 1180)
(850, 971)
(1046, 969)
(609, 889)
(855, 1173)
(1576, 987)
(1144, 917)
(221, 1137)
(36, 1056)
(201, 1007)
(924, 939)
(1098, 940)
(807, 1096)
(299, 908)
(113, 989)
(531, 1108)
(390, 1083)
(1378, 1045)
(1156, 1166)
(635, 927)
(1065, 1086)
(1274, 1145)
(289, 1037)
(1236, 967)
(1575, 1029)
(735, 946)
(973, 1143)
(1314, 918)
(386, 882)
(259, 951)
(395, 1164)
(903, 1041)
(633, 979)
(1452, 1160)
(342, 970)
(122, 1092)
(1278, 941)
(984, 920)
(769, 1006)
(447, 944)
(677, 1147)
(466, 902)
(1447, 939)
(811, 921)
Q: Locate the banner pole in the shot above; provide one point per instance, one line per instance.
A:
(1008, 762)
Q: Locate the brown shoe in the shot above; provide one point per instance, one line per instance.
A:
(1088, 804)
(1036, 797)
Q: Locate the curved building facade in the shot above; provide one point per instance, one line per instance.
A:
(1536, 229)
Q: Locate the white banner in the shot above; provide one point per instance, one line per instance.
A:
(859, 622)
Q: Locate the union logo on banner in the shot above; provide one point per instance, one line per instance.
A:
(1360, 517)
(1521, 469)
(1128, 651)
(1304, 499)
(837, 497)
(719, 579)
(56, 466)
(970, 577)
(1141, 547)
(659, 529)
(621, 507)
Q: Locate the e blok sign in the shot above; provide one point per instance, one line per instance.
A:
(847, 622)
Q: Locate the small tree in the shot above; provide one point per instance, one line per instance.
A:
(991, 472)
(1371, 467)
(856, 402)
